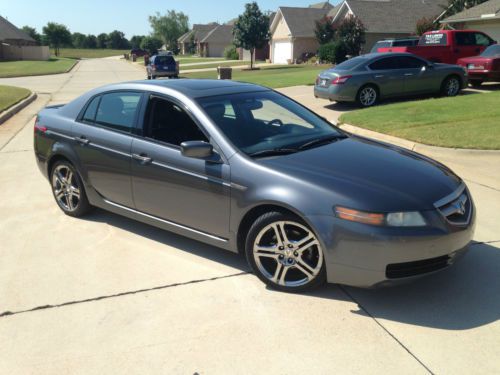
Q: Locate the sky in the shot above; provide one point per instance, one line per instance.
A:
(129, 16)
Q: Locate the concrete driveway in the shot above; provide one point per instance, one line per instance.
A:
(106, 294)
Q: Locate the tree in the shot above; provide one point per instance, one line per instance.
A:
(136, 40)
(90, 41)
(332, 52)
(102, 40)
(251, 30)
(31, 31)
(116, 40)
(57, 35)
(151, 44)
(78, 40)
(324, 30)
(425, 24)
(169, 27)
(351, 31)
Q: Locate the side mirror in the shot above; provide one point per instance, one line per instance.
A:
(197, 149)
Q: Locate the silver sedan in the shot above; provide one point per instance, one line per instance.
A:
(370, 78)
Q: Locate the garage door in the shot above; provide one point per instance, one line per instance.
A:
(282, 51)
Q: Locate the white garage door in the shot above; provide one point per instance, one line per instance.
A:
(282, 51)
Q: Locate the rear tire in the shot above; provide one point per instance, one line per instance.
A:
(68, 189)
(451, 86)
(284, 253)
(367, 96)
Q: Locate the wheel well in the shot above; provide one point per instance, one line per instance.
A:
(54, 159)
(250, 218)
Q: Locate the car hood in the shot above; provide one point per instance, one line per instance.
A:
(368, 175)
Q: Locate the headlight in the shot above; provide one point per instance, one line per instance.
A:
(392, 219)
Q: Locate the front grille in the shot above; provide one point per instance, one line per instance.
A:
(419, 267)
(456, 208)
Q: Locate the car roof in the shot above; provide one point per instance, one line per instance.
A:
(193, 88)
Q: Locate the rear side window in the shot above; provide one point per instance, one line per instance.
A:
(118, 110)
(433, 39)
(384, 64)
(90, 112)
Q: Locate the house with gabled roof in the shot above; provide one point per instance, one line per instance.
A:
(484, 17)
(15, 44)
(209, 40)
(197, 33)
(293, 28)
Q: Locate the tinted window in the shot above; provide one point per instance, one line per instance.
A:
(169, 123)
(164, 60)
(90, 112)
(433, 39)
(465, 39)
(408, 62)
(259, 121)
(406, 42)
(482, 40)
(384, 64)
(351, 64)
(492, 51)
(118, 110)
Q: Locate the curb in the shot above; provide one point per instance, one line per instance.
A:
(414, 146)
(7, 114)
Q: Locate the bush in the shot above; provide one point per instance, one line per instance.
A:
(424, 25)
(230, 53)
(333, 52)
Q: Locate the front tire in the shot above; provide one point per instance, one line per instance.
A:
(68, 190)
(451, 86)
(284, 253)
(367, 96)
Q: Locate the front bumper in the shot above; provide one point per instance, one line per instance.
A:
(367, 256)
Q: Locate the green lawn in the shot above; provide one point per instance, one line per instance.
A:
(11, 95)
(34, 68)
(468, 121)
(76, 53)
(215, 65)
(192, 60)
(272, 76)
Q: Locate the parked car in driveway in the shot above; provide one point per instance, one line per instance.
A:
(162, 66)
(394, 42)
(138, 52)
(247, 169)
(447, 46)
(370, 78)
(483, 68)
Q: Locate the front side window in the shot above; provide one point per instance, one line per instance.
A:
(118, 110)
(167, 122)
(465, 39)
(260, 121)
(482, 40)
(408, 62)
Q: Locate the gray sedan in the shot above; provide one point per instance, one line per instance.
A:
(369, 78)
(249, 170)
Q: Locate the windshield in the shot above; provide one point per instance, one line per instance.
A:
(492, 51)
(258, 122)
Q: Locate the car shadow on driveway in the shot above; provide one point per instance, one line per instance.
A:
(462, 297)
(176, 241)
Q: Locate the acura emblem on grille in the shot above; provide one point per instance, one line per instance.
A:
(459, 205)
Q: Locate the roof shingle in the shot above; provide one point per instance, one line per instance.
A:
(8, 31)
(487, 10)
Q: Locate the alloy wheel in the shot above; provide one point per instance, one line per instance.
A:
(288, 254)
(368, 96)
(452, 87)
(65, 187)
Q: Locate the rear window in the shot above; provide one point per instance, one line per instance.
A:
(351, 64)
(404, 43)
(164, 60)
(434, 39)
(380, 45)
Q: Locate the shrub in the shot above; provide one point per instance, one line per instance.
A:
(424, 25)
(333, 52)
(230, 53)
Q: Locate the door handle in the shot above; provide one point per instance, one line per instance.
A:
(143, 158)
(408, 74)
(82, 139)
(379, 76)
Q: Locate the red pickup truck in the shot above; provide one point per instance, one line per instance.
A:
(447, 46)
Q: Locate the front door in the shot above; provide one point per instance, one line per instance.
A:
(190, 192)
(103, 137)
(419, 77)
(388, 77)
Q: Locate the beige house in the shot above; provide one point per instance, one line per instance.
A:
(293, 28)
(209, 40)
(15, 44)
(484, 17)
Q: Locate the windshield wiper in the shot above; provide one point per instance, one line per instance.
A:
(322, 141)
(273, 152)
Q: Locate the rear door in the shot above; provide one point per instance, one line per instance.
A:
(193, 193)
(103, 138)
(389, 78)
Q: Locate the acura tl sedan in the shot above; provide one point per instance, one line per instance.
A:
(369, 78)
(249, 170)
